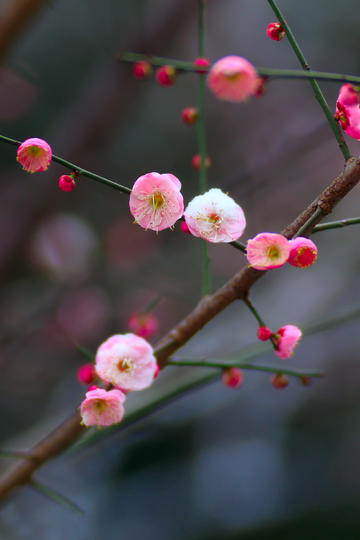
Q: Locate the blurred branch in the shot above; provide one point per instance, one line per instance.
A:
(55, 496)
(336, 224)
(15, 17)
(316, 88)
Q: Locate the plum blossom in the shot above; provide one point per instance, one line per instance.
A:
(102, 408)
(348, 110)
(34, 155)
(267, 250)
(215, 217)
(232, 78)
(303, 252)
(287, 337)
(156, 202)
(233, 377)
(126, 361)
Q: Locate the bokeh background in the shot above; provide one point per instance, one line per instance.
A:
(255, 463)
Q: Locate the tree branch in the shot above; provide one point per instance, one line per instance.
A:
(236, 288)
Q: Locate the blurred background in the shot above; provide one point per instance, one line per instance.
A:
(253, 463)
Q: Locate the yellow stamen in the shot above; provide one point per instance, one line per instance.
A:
(157, 200)
(273, 252)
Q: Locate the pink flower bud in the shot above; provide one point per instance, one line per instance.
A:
(157, 371)
(264, 333)
(275, 31)
(142, 69)
(196, 162)
(348, 95)
(86, 373)
(184, 227)
(34, 155)
(303, 252)
(287, 337)
(233, 78)
(166, 75)
(203, 64)
(348, 111)
(279, 381)
(232, 377)
(92, 387)
(143, 324)
(67, 182)
(260, 88)
(190, 115)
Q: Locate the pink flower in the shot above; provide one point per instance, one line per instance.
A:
(275, 31)
(126, 361)
(267, 251)
(232, 377)
(233, 78)
(156, 202)
(34, 155)
(102, 408)
(348, 111)
(287, 337)
(215, 217)
(143, 324)
(303, 252)
(86, 373)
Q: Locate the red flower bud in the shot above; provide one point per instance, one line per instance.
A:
(275, 31)
(279, 381)
(190, 115)
(166, 75)
(264, 333)
(142, 69)
(196, 162)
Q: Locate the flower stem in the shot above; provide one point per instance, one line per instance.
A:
(201, 137)
(316, 88)
(246, 365)
(318, 212)
(76, 168)
(336, 224)
(260, 321)
(238, 245)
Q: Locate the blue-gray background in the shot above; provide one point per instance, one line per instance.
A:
(251, 463)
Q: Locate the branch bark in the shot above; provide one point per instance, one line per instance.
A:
(236, 288)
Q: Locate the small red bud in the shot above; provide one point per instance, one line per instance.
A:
(203, 64)
(166, 75)
(190, 115)
(196, 162)
(142, 69)
(232, 377)
(92, 387)
(184, 227)
(157, 371)
(86, 373)
(144, 325)
(275, 31)
(67, 182)
(306, 380)
(260, 88)
(264, 333)
(279, 381)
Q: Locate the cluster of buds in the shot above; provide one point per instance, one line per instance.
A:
(285, 339)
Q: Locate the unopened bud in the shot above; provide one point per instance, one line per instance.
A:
(275, 31)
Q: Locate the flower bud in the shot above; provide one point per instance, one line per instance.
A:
(142, 69)
(279, 381)
(190, 115)
(166, 75)
(196, 162)
(303, 252)
(67, 182)
(143, 324)
(86, 374)
(232, 377)
(184, 227)
(203, 64)
(275, 31)
(264, 333)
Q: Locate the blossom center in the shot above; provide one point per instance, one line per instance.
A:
(215, 219)
(273, 252)
(232, 75)
(100, 406)
(126, 365)
(157, 200)
(35, 151)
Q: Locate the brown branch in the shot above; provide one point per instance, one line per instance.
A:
(15, 16)
(237, 288)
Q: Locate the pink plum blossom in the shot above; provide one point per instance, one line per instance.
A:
(34, 155)
(156, 202)
(215, 217)
(348, 111)
(232, 78)
(102, 408)
(287, 337)
(267, 251)
(303, 252)
(126, 361)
